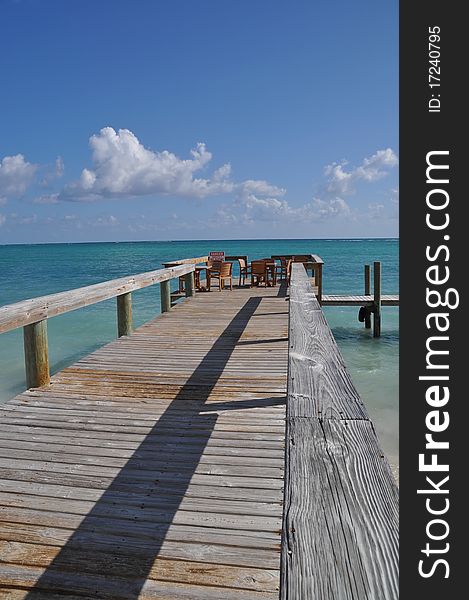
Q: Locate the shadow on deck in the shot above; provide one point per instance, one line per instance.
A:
(113, 551)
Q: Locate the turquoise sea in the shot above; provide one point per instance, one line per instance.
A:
(27, 271)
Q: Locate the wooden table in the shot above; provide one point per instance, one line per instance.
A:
(197, 272)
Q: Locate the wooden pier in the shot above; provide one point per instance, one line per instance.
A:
(157, 466)
(370, 304)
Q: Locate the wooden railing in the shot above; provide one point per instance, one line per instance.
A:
(186, 261)
(32, 314)
(313, 262)
(340, 526)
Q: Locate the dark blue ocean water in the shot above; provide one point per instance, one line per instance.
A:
(34, 270)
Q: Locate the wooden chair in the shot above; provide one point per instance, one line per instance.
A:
(283, 269)
(270, 271)
(224, 272)
(258, 272)
(244, 271)
(215, 266)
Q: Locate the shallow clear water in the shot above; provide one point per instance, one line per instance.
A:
(34, 270)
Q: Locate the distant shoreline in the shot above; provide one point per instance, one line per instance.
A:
(347, 239)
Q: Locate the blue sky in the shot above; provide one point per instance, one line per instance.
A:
(152, 119)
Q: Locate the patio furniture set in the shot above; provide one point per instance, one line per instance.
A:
(265, 271)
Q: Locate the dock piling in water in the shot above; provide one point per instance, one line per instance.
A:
(377, 299)
(36, 354)
(165, 291)
(367, 293)
(124, 314)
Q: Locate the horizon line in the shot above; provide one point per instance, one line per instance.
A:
(169, 241)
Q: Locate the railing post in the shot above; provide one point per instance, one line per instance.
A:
(377, 299)
(165, 289)
(190, 284)
(124, 314)
(367, 293)
(36, 354)
(319, 281)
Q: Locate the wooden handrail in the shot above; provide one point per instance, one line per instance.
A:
(32, 314)
(33, 310)
(317, 259)
(341, 501)
(186, 261)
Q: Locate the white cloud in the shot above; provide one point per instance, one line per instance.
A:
(59, 167)
(3, 200)
(16, 175)
(340, 182)
(105, 221)
(376, 211)
(123, 167)
(248, 209)
(53, 172)
(377, 166)
(2, 219)
(260, 201)
(260, 187)
(17, 219)
(47, 199)
(325, 209)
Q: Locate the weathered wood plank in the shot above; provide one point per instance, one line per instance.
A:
(153, 468)
(130, 565)
(319, 383)
(85, 585)
(357, 300)
(186, 261)
(80, 502)
(340, 525)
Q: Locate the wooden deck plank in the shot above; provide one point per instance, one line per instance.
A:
(354, 300)
(153, 468)
(340, 509)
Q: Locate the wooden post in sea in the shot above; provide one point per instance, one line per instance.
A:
(377, 299)
(189, 284)
(124, 314)
(367, 293)
(36, 354)
(165, 289)
(319, 282)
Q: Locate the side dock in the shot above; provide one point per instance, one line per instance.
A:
(220, 451)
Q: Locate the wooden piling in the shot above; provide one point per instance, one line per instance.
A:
(124, 314)
(189, 284)
(377, 299)
(317, 270)
(165, 289)
(367, 293)
(36, 354)
(319, 282)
